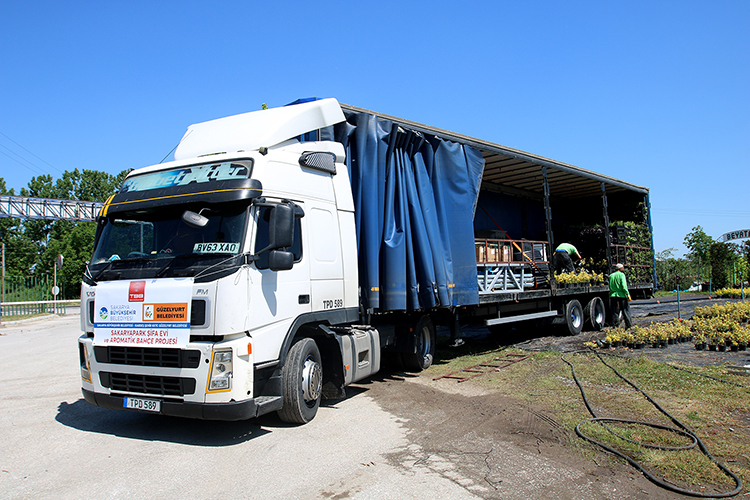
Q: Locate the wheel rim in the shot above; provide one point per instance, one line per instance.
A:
(599, 315)
(425, 343)
(575, 317)
(312, 380)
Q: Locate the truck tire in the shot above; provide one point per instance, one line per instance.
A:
(574, 317)
(596, 314)
(302, 382)
(424, 341)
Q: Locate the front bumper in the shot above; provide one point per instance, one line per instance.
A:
(232, 410)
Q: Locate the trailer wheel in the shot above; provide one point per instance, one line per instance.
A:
(424, 340)
(574, 317)
(302, 382)
(596, 314)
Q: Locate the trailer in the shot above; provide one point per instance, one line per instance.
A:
(284, 252)
(527, 205)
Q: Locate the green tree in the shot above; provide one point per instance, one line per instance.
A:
(669, 268)
(699, 244)
(20, 251)
(34, 244)
(723, 257)
(73, 240)
(76, 245)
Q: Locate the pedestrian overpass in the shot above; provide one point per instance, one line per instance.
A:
(23, 207)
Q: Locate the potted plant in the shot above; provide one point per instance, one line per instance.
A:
(662, 336)
(628, 339)
(614, 338)
(743, 337)
(564, 279)
(721, 345)
(699, 342)
(732, 340)
(641, 337)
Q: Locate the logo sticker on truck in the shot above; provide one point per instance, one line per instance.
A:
(136, 291)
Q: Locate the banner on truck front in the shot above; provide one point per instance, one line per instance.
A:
(143, 313)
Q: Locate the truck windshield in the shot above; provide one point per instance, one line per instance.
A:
(151, 244)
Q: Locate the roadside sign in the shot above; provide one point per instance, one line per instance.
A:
(740, 234)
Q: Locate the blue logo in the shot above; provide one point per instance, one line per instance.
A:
(103, 313)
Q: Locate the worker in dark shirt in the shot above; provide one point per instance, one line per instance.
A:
(619, 297)
(565, 253)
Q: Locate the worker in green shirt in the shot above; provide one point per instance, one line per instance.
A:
(564, 255)
(619, 297)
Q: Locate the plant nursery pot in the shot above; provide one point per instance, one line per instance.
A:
(742, 347)
(617, 343)
(721, 348)
(640, 345)
(700, 347)
(606, 345)
(654, 345)
(711, 347)
(663, 343)
(670, 341)
(734, 348)
(631, 345)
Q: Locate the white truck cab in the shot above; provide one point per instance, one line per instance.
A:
(220, 282)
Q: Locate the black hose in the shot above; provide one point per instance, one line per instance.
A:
(709, 376)
(682, 429)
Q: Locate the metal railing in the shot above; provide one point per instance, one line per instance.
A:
(505, 265)
(31, 308)
(28, 295)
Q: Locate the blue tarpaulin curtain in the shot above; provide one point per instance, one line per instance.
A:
(414, 198)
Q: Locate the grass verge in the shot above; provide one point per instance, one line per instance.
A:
(17, 317)
(718, 413)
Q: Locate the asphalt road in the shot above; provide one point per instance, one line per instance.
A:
(54, 445)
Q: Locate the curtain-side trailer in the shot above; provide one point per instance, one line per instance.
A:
(284, 251)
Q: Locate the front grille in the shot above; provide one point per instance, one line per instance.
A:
(198, 312)
(148, 356)
(147, 384)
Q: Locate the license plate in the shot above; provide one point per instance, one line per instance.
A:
(142, 404)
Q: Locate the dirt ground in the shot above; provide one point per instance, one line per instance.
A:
(501, 447)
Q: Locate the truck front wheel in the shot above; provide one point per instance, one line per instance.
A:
(302, 381)
(424, 344)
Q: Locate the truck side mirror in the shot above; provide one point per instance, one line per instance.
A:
(280, 260)
(281, 227)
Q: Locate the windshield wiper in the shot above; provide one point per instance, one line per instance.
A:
(166, 266)
(102, 271)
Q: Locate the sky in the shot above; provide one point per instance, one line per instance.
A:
(653, 93)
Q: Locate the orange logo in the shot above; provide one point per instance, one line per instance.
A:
(176, 312)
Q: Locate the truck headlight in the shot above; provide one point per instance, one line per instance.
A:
(220, 376)
(84, 358)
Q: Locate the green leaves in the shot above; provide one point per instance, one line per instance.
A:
(31, 246)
